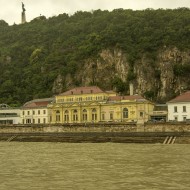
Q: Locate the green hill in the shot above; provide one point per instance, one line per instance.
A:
(34, 54)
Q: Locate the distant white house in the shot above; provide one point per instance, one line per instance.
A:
(9, 115)
(179, 108)
(35, 111)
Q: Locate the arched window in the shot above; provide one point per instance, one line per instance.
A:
(125, 113)
(57, 116)
(84, 115)
(75, 115)
(94, 114)
(66, 116)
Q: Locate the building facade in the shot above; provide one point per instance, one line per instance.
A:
(160, 113)
(35, 111)
(9, 115)
(91, 104)
(179, 108)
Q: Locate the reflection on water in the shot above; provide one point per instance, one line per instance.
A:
(49, 166)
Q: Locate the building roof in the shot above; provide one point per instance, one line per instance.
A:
(110, 92)
(83, 90)
(133, 97)
(185, 97)
(37, 103)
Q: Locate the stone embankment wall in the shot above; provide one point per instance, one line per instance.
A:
(109, 132)
(96, 127)
(167, 127)
(68, 128)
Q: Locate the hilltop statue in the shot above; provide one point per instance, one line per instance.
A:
(23, 15)
(23, 9)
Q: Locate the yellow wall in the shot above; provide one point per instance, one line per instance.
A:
(82, 97)
(103, 111)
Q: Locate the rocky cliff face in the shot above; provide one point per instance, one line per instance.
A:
(154, 78)
(168, 61)
(103, 70)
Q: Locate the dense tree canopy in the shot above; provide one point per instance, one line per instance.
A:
(34, 53)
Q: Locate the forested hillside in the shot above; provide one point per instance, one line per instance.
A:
(35, 55)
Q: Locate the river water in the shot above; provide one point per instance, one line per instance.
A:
(88, 166)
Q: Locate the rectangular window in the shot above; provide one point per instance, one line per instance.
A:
(38, 120)
(111, 116)
(28, 121)
(184, 118)
(141, 114)
(175, 108)
(38, 112)
(66, 118)
(33, 112)
(33, 120)
(176, 118)
(75, 117)
(23, 113)
(57, 118)
(44, 120)
(94, 117)
(44, 111)
(184, 109)
(28, 112)
(84, 117)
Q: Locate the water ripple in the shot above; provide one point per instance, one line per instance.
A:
(106, 166)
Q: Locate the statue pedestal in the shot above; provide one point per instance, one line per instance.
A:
(23, 18)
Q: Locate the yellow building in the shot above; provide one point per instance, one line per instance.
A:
(91, 104)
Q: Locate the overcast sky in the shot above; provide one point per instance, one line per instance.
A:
(10, 10)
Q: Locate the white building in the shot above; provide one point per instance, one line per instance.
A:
(9, 115)
(35, 111)
(179, 108)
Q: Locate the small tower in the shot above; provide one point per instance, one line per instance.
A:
(23, 16)
(131, 89)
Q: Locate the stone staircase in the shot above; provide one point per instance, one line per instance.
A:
(169, 140)
(11, 138)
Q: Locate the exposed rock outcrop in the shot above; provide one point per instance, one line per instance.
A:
(153, 77)
(58, 85)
